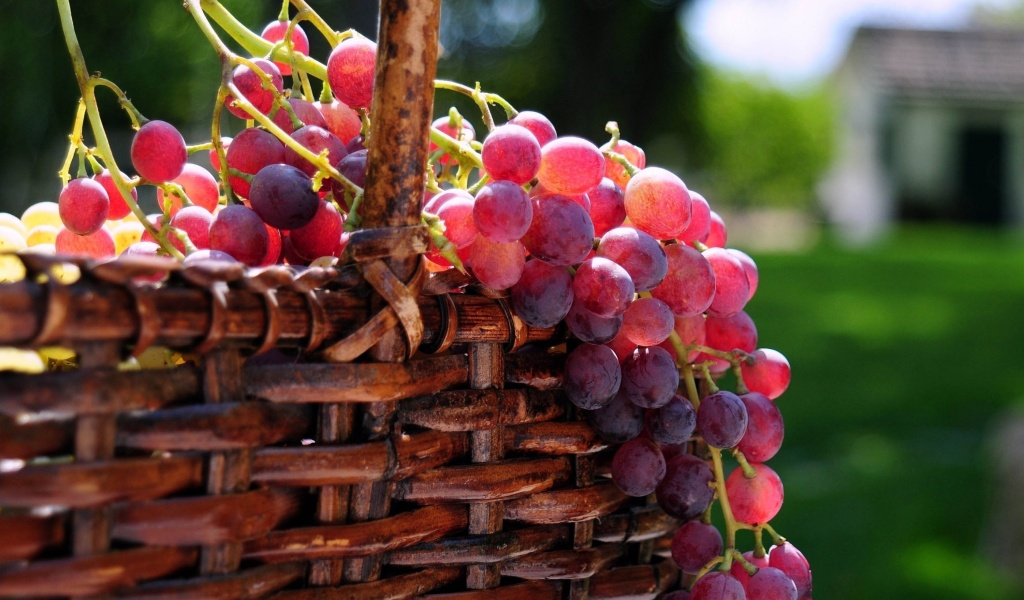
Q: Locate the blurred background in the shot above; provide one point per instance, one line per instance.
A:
(869, 155)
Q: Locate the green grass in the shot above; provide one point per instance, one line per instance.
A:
(905, 357)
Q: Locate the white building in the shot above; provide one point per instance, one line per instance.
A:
(931, 128)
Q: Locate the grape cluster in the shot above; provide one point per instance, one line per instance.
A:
(631, 260)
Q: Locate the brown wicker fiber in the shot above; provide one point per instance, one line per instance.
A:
(362, 431)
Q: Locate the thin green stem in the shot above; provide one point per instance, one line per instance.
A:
(748, 471)
(74, 140)
(776, 538)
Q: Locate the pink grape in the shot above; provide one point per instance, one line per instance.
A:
(275, 32)
(561, 232)
(603, 287)
(98, 244)
(502, 211)
(769, 374)
(589, 327)
(649, 377)
(539, 125)
(722, 419)
(622, 346)
(158, 152)
(198, 184)
(735, 332)
(616, 172)
(648, 322)
(686, 491)
(250, 85)
(83, 205)
(691, 330)
(321, 235)
(694, 544)
(511, 153)
(543, 295)
(351, 68)
(119, 209)
(770, 583)
(740, 573)
(283, 196)
(570, 165)
(498, 265)
(638, 467)
(195, 221)
(731, 286)
(755, 500)
(658, 203)
(316, 140)
(749, 266)
(240, 232)
(607, 208)
(251, 150)
(618, 421)
(700, 220)
(457, 215)
(305, 111)
(341, 120)
(792, 562)
(717, 232)
(638, 253)
(765, 428)
(717, 585)
(689, 286)
(672, 423)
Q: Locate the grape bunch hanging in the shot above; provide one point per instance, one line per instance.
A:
(632, 261)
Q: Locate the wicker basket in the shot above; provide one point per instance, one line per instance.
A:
(396, 435)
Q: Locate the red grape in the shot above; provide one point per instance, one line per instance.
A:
(722, 419)
(731, 287)
(607, 208)
(770, 583)
(511, 153)
(240, 232)
(689, 286)
(717, 585)
(686, 490)
(561, 232)
(717, 233)
(321, 235)
(251, 87)
(316, 140)
(791, 561)
(251, 150)
(119, 209)
(638, 253)
(537, 124)
(769, 374)
(498, 265)
(283, 196)
(647, 322)
(502, 211)
(603, 287)
(700, 220)
(740, 573)
(444, 124)
(691, 331)
(195, 221)
(757, 499)
(748, 266)
(341, 120)
(616, 172)
(83, 205)
(694, 544)
(275, 32)
(658, 202)
(198, 184)
(305, 111)
(638, 467)
(99, 244)
(543, 295)
(649, 377)
(570, 165)
(158, 152)
(727, 334)
(350, 71)
(765, 428)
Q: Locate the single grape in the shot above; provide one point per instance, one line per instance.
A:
(341, 120)
(321, 235)
(83, 205)
(638, 467)
(47, 234)
(638, 253)
(497, 265)
(732, 290)
(350, 71)
(686, 490)
(275, 31)
(539, 125)
(658, 203)
(717, 585)
(649, 377)
(456, 211)
(502, 211)
(239, 231)
(511, 153)
(589, 327)
(195, 221)
(42, 213)
(722, 419)
(618, 421)
(740, 573)
(251, 150)
(717, 233)
(570, 165)
(748, 266)
(316, 140)
(735, 332)
(792, 562)
(672, 423)
(603, 287)
(119, 209)
(353, 167)
(158, 152)
(689, 286)
(757, 499)
(765, 428)
(770, 583)
(561, 232)
(283, 196)
(250, 85)
(607, 208)
(543, 295)
(615, 171)
(694, 544)
(198, 184)
(592, 376)
(648, 322)
(769, 374)
(700, 220)
(98, 244)
(305, 111)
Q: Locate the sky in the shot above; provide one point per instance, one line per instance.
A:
(794, 42)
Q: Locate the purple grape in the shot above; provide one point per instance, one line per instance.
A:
(770, 583)
(717, 585)
(603, 286)
(672, 423)
(694, 544)
(765, 428)
(283, 196)
(618, 421)
(650, 377)
(592, 376)
(589, 327)
(561, 232)
(502, 211)
(543, 295)
(686, 491)
(638, 253)
(638, 467)
(722, 419)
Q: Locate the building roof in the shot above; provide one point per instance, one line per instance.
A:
(968, 64)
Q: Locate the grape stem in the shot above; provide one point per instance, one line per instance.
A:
(87, 84)
(481, 99)
(748, 471)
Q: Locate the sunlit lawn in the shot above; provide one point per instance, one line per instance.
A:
(905, 357)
